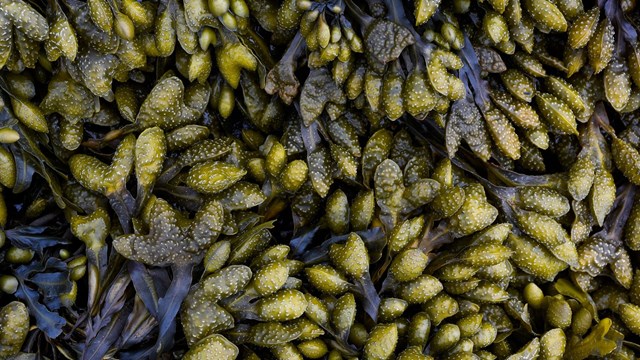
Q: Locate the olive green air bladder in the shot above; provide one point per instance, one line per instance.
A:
(311, 179)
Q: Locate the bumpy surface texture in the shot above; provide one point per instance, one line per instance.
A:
(319, 179)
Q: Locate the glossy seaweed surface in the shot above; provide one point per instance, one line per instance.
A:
(328, 179)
